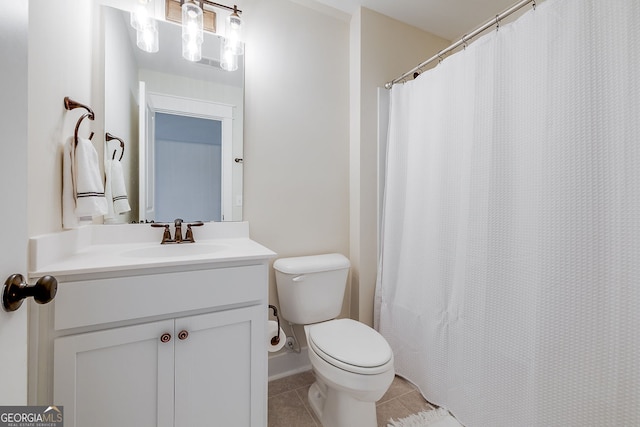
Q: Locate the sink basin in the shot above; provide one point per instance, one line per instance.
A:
(173, 250)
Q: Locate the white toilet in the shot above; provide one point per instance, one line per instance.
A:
(353, 363)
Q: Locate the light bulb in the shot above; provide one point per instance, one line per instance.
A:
(192, 31)
(234, 33)
(192, 22)
(147, 37)
(228, 59)
(192, 50)
(140, 15)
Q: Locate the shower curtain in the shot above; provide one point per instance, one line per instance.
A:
(509, 282)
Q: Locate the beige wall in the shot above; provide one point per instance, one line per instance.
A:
(382, 49)
(296, 154)
(60, 64)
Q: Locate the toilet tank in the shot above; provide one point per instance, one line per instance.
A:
(311, 288)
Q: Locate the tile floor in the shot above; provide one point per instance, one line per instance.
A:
(288, 405)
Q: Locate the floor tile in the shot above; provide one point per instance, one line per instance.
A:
(398, 387)
(303, 394)
(287, 410)
(415, 402)
(290, 383)
(391, 409)
(288, 404)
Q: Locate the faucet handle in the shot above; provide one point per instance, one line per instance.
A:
(189, 236)
(166, 236)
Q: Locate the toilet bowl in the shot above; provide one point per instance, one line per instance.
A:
(352, 362)
(353, 365)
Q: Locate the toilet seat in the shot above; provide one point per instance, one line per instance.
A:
(351, 346)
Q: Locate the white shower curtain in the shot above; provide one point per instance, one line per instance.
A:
(509, 283)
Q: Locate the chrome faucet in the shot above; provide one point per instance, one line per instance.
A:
(177, 223)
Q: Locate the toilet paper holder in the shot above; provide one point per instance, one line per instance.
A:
(275, 340)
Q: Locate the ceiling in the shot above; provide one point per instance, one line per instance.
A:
(450, 19)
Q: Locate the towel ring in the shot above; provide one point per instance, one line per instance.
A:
(108, 137)
(75, 133)
(70, 104)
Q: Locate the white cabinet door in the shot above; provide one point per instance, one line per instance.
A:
(212, 371)
(221, 369)
(117, 377)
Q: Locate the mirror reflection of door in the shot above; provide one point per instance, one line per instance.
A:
(188, 168)
(185, 151)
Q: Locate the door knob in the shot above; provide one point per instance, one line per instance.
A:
(182, 335)
(16, 289)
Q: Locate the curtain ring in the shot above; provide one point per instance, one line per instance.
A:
(440, 57)
(497, 22)
(534, 4)
(464, 41)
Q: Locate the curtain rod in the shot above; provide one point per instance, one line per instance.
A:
(463, 41)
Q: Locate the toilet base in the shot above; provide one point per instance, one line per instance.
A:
(336, 408)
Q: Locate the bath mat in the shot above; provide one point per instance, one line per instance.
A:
(434, 418)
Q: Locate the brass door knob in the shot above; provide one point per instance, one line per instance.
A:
(183, 335)
(166, 337)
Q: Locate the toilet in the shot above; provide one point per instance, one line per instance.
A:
(352, 363)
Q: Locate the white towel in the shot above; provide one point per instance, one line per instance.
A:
(82, 188)
(115, 189)
(69, 218)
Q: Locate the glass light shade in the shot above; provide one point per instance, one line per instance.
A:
(192, 22)
(147, 37)
(192, 31)
(140, 15)
(228, 59)
(234, 33)
(192, 50)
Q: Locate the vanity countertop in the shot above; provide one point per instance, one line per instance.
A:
(100, 249)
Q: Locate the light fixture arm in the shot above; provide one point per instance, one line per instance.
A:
(222, 6)
(234, 9)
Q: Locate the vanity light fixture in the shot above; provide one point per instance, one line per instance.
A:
(195, 19)
(146, 27)
(234, 32)
(192, 31)
(140, 14)
(228, 59)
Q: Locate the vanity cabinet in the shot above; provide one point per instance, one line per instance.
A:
(188, 371)
(176, 348)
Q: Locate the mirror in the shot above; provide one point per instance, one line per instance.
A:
(182, 124)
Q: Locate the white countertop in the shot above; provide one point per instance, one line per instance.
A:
(119, 248)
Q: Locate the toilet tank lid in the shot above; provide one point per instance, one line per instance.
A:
(311, 264)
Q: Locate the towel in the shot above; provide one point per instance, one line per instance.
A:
(69, 219)
(82, 189)
(115, 189)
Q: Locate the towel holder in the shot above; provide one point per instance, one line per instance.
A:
(108, 137)
(70, 104)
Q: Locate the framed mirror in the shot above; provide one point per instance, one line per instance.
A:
(182, 123)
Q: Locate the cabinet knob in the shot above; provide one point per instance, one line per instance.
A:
(166, 337)
(16, 289)
(183, 335)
